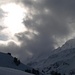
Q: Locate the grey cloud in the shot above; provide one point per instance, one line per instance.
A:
(64, 7)
(52, 23)
(1, 13)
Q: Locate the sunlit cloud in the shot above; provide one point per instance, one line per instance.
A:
(13, 20)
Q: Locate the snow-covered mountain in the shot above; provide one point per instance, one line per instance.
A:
(61, 60)
(8, 61)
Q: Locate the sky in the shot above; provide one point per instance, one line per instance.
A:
(31, 27)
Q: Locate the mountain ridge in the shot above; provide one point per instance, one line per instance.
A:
(61, 60)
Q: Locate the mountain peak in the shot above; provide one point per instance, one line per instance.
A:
(69, 44)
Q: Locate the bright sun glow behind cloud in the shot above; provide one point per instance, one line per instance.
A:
(13, 20)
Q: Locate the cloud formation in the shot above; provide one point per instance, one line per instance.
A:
(50, 24)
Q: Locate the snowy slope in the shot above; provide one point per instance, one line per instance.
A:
(61, 60)
(8, 71)
(7, 60)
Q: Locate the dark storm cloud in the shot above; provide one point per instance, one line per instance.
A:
(50, 19)
(62, 7)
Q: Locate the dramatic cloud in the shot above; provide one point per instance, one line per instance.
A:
(49, 23)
